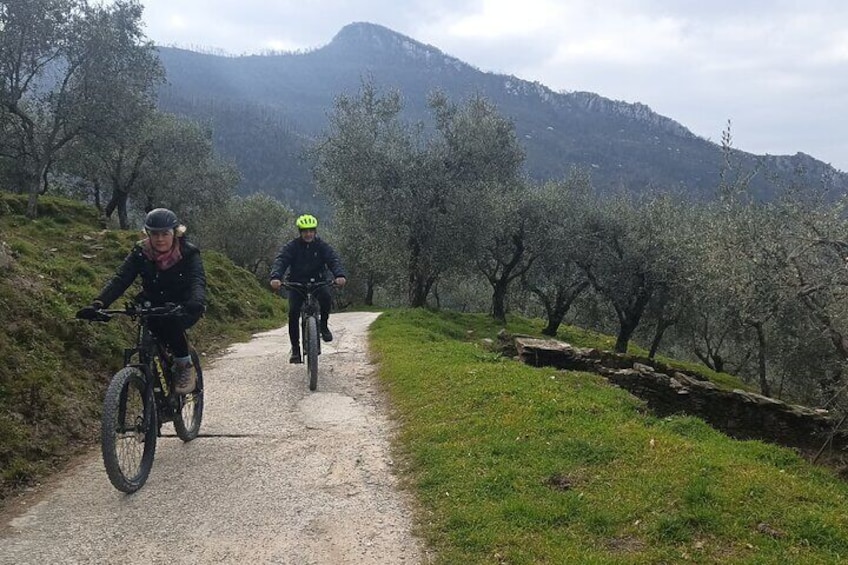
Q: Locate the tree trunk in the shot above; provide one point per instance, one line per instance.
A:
(118, 202)
(97, 203)
(662, 325)
(625, 332)
(562, 304)
(32, 180)
(499, 301)
(628, 319)
(554, 322)
(765, 389)
(369, 290)
(33, 188)
(32, 205)
(417, 292)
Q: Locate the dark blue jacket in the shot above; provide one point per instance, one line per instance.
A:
(306, 261)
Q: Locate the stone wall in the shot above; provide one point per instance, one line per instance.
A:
(739, 414)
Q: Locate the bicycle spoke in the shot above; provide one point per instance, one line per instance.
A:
(129, 440)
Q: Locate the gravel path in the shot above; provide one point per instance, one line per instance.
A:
(279, 475)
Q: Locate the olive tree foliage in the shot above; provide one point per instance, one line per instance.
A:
(402, 193)
(370, 261)
(554, 277)
(814, 341)
(709, 327)
(676, 290)
(359, 165)
(168, 161)
(631, 255)
(506, 221)
(181, 170)
(767, 301)
(248, 230)
(495, 212)
(67, 69)
(710, 324)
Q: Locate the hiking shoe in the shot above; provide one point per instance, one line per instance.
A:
(185, 379)
(326, 334)
(295, 356)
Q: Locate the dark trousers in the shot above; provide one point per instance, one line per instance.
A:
(171, 332)
(325, 301)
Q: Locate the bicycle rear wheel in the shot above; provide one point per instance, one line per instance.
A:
(312, 351)
(187, 420)
(128, 430)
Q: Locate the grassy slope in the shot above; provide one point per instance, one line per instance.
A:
(54, 369)
(514, 464)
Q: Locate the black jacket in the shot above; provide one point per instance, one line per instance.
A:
(184, 282)
(306, 261)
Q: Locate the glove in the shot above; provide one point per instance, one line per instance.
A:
(193, 307)
(89, 312)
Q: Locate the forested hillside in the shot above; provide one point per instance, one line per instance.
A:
(281, 103)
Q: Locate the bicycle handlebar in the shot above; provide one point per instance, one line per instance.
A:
(140, 311)
(306, 288)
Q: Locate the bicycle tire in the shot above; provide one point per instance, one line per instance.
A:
(312, 351)
(129, 421)
(188, 418)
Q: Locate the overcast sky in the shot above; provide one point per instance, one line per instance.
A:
(776, 69)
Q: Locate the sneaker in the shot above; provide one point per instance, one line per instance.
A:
(295, 356)
(185, 379)
(326, 334)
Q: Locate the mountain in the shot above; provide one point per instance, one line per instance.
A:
(266, 109)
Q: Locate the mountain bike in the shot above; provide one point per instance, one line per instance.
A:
(141, 398)
(309, 315)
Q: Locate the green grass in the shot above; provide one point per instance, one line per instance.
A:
(514, 464)
(54, 369)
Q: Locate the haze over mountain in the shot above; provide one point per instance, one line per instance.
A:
(266, 109)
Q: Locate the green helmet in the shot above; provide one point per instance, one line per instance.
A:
(307, 222)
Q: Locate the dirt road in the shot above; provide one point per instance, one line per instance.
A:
(279, 475)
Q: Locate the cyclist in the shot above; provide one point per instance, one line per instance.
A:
(307, 258)
(171, 272)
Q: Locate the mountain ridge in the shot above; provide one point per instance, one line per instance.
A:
(627, 146)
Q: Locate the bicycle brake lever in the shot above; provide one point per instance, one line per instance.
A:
(101, 317)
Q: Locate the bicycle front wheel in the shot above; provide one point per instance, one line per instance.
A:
(312, 351)
(187, 419)
(128, 430)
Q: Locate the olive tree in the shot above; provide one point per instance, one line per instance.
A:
(68, 68)
(495, 212)
(409, 185)
(555, 278)
(248, 230)
(631, 255)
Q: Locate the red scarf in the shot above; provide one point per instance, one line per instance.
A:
(164, 260)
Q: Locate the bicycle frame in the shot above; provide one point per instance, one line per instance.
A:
(309, 323)
(152, 359)
(310, 307)
(141, 397)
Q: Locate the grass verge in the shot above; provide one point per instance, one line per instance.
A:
(514, 464)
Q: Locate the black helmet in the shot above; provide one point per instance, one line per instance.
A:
(160, 219)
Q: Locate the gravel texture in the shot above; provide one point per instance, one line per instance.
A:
(279, 475)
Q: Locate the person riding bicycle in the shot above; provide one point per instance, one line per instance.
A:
(171, 272)
(307, 258)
